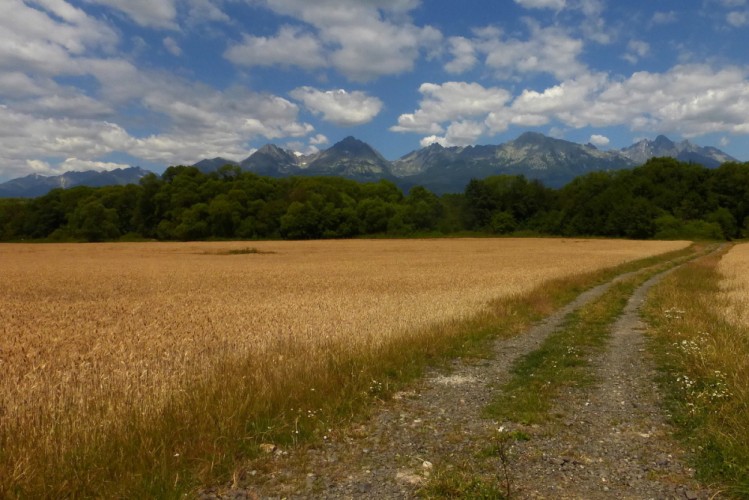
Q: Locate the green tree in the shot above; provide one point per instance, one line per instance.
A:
(92, 221)
(503, 223)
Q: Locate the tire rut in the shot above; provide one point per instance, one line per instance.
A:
(596, 448)
(612, 440)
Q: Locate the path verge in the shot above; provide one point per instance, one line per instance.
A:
(423, 433)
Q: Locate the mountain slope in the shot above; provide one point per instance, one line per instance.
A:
(552, 161)
(37, 185)
(208, 166)
(272, 161)
(350, 158)
(642, 151)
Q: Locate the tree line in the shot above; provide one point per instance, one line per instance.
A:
(664, 199)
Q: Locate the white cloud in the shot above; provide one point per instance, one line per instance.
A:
(338, 106)
(47, 39)
(51, 123)
(290, 47)
(548, 50)
(148, 13)
(451, 101)
(636, 50)
(594, 26)
(172, 46)
(76, 165)
(464, 55)
(462, 133)
(691, 100)
(318, 140)
(200, 11)
(366, 40)
(375, 49)
(432, 139)
(599, 140)
(542, 4)
(737, 19)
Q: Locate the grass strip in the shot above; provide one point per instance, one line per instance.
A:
(208, 431)
(562, 360)
(704, 366)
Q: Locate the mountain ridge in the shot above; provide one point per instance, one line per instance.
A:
(440, 169)
(34, 185)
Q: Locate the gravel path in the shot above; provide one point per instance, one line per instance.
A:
(611, 440)
(606, 441)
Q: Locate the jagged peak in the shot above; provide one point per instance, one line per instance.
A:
(662, 140)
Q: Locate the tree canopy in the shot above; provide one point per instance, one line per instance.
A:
(664, 198)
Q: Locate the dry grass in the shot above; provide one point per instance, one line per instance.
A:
(95, 337)
(699, 318)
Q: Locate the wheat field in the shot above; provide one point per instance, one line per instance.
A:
(89, 332)
(734, 267)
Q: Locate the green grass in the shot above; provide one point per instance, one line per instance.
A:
(560, 362)
(704, 363)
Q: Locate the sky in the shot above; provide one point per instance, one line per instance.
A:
(104, 84)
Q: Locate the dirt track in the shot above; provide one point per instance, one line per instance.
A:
(609, 440)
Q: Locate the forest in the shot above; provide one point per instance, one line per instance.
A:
(663, 199)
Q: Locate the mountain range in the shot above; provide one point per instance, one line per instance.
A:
(440, 169)
(555, 162)
(34, 185)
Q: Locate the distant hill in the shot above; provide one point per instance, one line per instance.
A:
(37, 185)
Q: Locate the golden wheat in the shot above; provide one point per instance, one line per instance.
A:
(734, 267)
(88, 332)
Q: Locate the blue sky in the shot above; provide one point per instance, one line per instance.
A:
(101, 84)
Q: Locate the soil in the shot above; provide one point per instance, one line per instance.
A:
(607, 440)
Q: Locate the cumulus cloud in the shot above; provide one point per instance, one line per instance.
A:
(339, 106)
(460, 133)
(318, 140)
(366, 40)
(77, 165)
(547, 50)
(463, 53)
(51, 123)
(46, 40)
(149, 13)
(450, 101)
(689, 99)
(599, 140)
(290, 47)
(692, 100)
